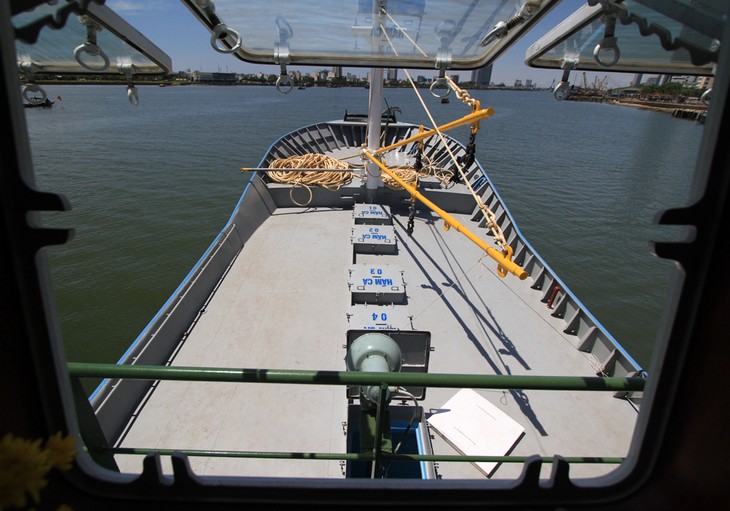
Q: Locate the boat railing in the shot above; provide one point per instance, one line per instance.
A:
(103, 453)
(612, 358)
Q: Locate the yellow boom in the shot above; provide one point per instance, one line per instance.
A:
(467, 119)
(504, 263)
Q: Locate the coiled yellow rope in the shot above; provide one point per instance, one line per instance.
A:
(329, 180)
(406, 173)
(335, 180)
(411, 176)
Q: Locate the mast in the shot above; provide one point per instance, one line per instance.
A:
(376, 100)
(374, 181)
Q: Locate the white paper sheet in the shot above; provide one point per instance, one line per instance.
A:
(474, 426)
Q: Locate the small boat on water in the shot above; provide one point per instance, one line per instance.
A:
(370, 323)
(39, 103)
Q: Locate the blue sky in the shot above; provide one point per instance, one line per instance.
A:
(188, 43)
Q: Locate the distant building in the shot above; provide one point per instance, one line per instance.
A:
(528, 83)
(518, 83)
(637, 79)
(705, 82)
(214, 78)
(392, 75)
(482, 76)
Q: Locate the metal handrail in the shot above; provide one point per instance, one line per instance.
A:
(363, 456)
(441, 380)
(79, 370)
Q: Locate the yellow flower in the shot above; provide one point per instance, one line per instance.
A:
(23, 466)
(61, 451)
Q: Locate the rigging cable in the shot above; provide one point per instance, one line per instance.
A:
(404, 392)
(418, 166)
(489, 215)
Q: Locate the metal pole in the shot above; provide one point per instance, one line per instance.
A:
(373, 180)
(349, 456)
(377, 470)
(291, 376)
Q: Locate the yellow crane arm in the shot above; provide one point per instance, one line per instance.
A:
(505, 264)
(467, 119)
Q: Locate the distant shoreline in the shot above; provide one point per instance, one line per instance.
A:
(161, 83)
(689, 109)
(658, 106)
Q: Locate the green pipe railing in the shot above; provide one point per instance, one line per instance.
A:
(380, 425)
(364, 456)
(443, 380)
(303, 377)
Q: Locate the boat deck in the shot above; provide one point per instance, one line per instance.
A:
(286, 303)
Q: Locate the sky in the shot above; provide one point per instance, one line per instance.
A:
(188, 44)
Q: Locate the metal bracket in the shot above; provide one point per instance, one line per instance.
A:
(126, 67)
(281, 56)
(675, 10)
(222, 31)
(706, 96)
(443, 61)
(607, 45)
(28, 68)
(561, 91)
(503, 27)
(90, 47)
(34, 88)
(498, 32)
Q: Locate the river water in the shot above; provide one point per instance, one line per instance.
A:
(151, 186)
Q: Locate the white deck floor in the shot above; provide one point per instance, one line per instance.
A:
(284, 304)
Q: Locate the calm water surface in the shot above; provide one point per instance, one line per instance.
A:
(152, 186)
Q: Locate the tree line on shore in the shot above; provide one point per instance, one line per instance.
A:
(671, 89)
